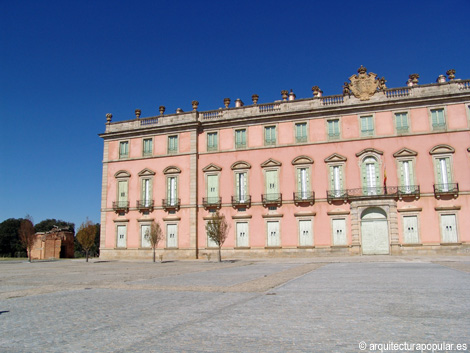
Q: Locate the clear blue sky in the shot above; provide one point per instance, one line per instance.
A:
(64, 65)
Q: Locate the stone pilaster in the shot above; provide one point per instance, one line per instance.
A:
(193, 193)
(104, 195)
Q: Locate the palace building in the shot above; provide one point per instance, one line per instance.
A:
(374, 170)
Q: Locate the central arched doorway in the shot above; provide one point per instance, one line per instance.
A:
(374, 232)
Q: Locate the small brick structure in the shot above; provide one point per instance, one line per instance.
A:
(57, 243)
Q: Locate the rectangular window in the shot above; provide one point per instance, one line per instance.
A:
(333, 129)
(171, 235)
(443, 174)
(449, 228)
(269, 135)
(212, 139)
(339, 231)
(173, 144)
(124, 149)
(274, 236)
(146, 192)
(172, 191)
(406, 176)
(410, 230)
(240, 138)
(121, 236)
(147, 147)
(401, 122)
(303, 183)
(145, 235)
(213, 188)
(301, 132)
(438, 119)
(241, 186)
(242, 234)
(305, 233)
(122, 193)
(272, 185)
(336, 180)
(367, 125)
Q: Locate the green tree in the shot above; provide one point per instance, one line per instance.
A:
(47, 224)
(86, 236)
(27, 234)
(155, 236)
(217, 230)
(10, 244)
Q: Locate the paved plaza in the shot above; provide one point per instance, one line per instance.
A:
(276, 305)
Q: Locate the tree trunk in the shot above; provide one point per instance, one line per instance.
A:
(220, 254)
(153, 254)
(86, 252)
(29, 256)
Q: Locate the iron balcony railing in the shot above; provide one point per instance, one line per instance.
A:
(336, 195)
(304, 197)
(241, 201)
(145, 205)
(171, 204)
(372, 192)
(211, 202)
(299, 139)
(121, 206)
(272, 199)
(446, 189)
(408, 191)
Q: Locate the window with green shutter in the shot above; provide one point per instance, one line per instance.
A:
(272, 184)
(212, 141)
(172, 191)
(240, 138)
(123, 149)
(147, 147)
(367, 125)
(241, 186)
(173, 144)
(333, 129)
(303, 183)
(269, 135)
(401, 122)
(301, 132)
(438, 119)
(213, 188)
(443, 173)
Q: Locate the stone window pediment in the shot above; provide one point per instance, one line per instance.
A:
(302, 160)
(122, 174)
(442, 149)
(146, 172)
(240, 165)
(369, 151)
(335, 157)
(271, 163)
(405, 152)
(171, 170)
(212, 168)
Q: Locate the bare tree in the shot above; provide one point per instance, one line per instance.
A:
(217, 230)
(155, 236)
(27, 235)
(86, 236)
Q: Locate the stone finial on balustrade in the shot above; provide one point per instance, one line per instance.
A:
(195, 104)
(226, 102)
(346, 89)
(292, 95)
(161, 109)
(317, 92)
(137, 113)
(284, 94)
(179, 110)
(382, 85)
(238, 103)
(451, 74)
(441, 79)
(254, 99)
(109, 117)
(413, 80)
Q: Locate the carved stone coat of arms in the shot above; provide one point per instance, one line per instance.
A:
(365, 85)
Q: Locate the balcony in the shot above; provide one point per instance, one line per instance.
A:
(408, 191)
(211, 202)
(243, 201)
(451, 189)
(304, 198)
(121, 206)
(171, 204)
(274, 199)
(372, 193)
(145, 205)
(336, 195)
(300, 139)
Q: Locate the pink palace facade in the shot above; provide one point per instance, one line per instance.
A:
(374, 170)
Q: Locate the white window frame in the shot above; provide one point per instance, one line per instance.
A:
(334, 135)
(439, 126)
(301, 139)
(124, 156)
(271, 141)
(212, 148)
(303, 219)
(370, 131)
(240, 146)
(146, 153)
(402, 130)
(171, 150)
